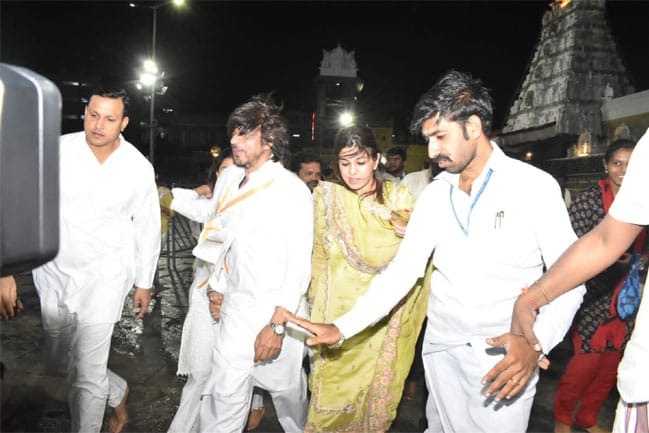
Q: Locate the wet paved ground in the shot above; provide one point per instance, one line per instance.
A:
(145, 353)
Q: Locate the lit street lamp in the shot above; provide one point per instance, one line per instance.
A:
(150, 75)
(346, 118)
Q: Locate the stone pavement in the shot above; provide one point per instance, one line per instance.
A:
(145, 352)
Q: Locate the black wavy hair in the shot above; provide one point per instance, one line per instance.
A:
(262, 112)
(455, 97)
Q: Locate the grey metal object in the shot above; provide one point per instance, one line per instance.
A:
(30, 126)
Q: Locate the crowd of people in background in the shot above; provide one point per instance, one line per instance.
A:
(334, 288)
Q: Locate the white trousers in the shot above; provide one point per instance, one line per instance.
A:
(228, 412)
(186, 417)
(81, 351)
(631, 418)
(456, 401)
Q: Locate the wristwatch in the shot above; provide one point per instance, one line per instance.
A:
(277, 328)
(338, 344)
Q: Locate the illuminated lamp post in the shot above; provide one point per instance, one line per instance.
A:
(150, 75)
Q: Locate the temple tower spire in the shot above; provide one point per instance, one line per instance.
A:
(575, 68)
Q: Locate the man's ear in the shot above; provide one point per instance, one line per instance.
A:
(124, 123)
(474, 126)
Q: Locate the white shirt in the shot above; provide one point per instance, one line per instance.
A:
(392, 178)
(109, 230)
(417, 181)
(515, 220)
(269, 260)
(631, 205)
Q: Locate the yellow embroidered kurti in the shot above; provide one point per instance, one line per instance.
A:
(357, 388)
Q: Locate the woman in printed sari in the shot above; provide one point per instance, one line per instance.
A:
(599, 334)
(357, 386)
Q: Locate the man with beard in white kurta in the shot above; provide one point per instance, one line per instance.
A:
(264, 216)
(109, 242)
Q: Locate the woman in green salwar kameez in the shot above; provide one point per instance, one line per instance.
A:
(357, 387)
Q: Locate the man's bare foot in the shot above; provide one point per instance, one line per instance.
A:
(560, 427)
(119, 418)
(255, 417)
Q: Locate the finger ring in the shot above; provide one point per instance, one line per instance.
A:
(513, 380)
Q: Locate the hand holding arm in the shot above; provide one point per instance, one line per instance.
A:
(526, 308)
(589, 255)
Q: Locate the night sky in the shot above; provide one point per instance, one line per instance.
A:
(217, 54)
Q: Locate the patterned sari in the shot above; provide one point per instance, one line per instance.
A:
(358, 387)
(597, 327)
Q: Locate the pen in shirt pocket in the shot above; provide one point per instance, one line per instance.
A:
(498, 222)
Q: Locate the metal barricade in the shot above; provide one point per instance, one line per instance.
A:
(177, 252)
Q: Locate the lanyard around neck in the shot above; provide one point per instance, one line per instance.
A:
(465, 230)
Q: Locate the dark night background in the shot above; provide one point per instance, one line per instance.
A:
(217, 54)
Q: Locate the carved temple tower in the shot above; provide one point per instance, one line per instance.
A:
(337, 87)
(574, 70)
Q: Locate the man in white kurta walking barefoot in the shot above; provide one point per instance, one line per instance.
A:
(109, 242)
(264, 219)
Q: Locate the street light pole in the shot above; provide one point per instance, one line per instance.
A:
(153, 77)
(152, 126)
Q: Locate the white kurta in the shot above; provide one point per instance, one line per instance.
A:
(488, 246)
(109, 231)
(632, 205)
(198, 338)
(391, 178)
(417, 181)
(269, 265)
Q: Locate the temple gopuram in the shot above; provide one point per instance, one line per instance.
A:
(575, 98)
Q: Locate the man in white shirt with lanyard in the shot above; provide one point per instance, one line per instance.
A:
(264, 222)
(493, 222)
(591, 254)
